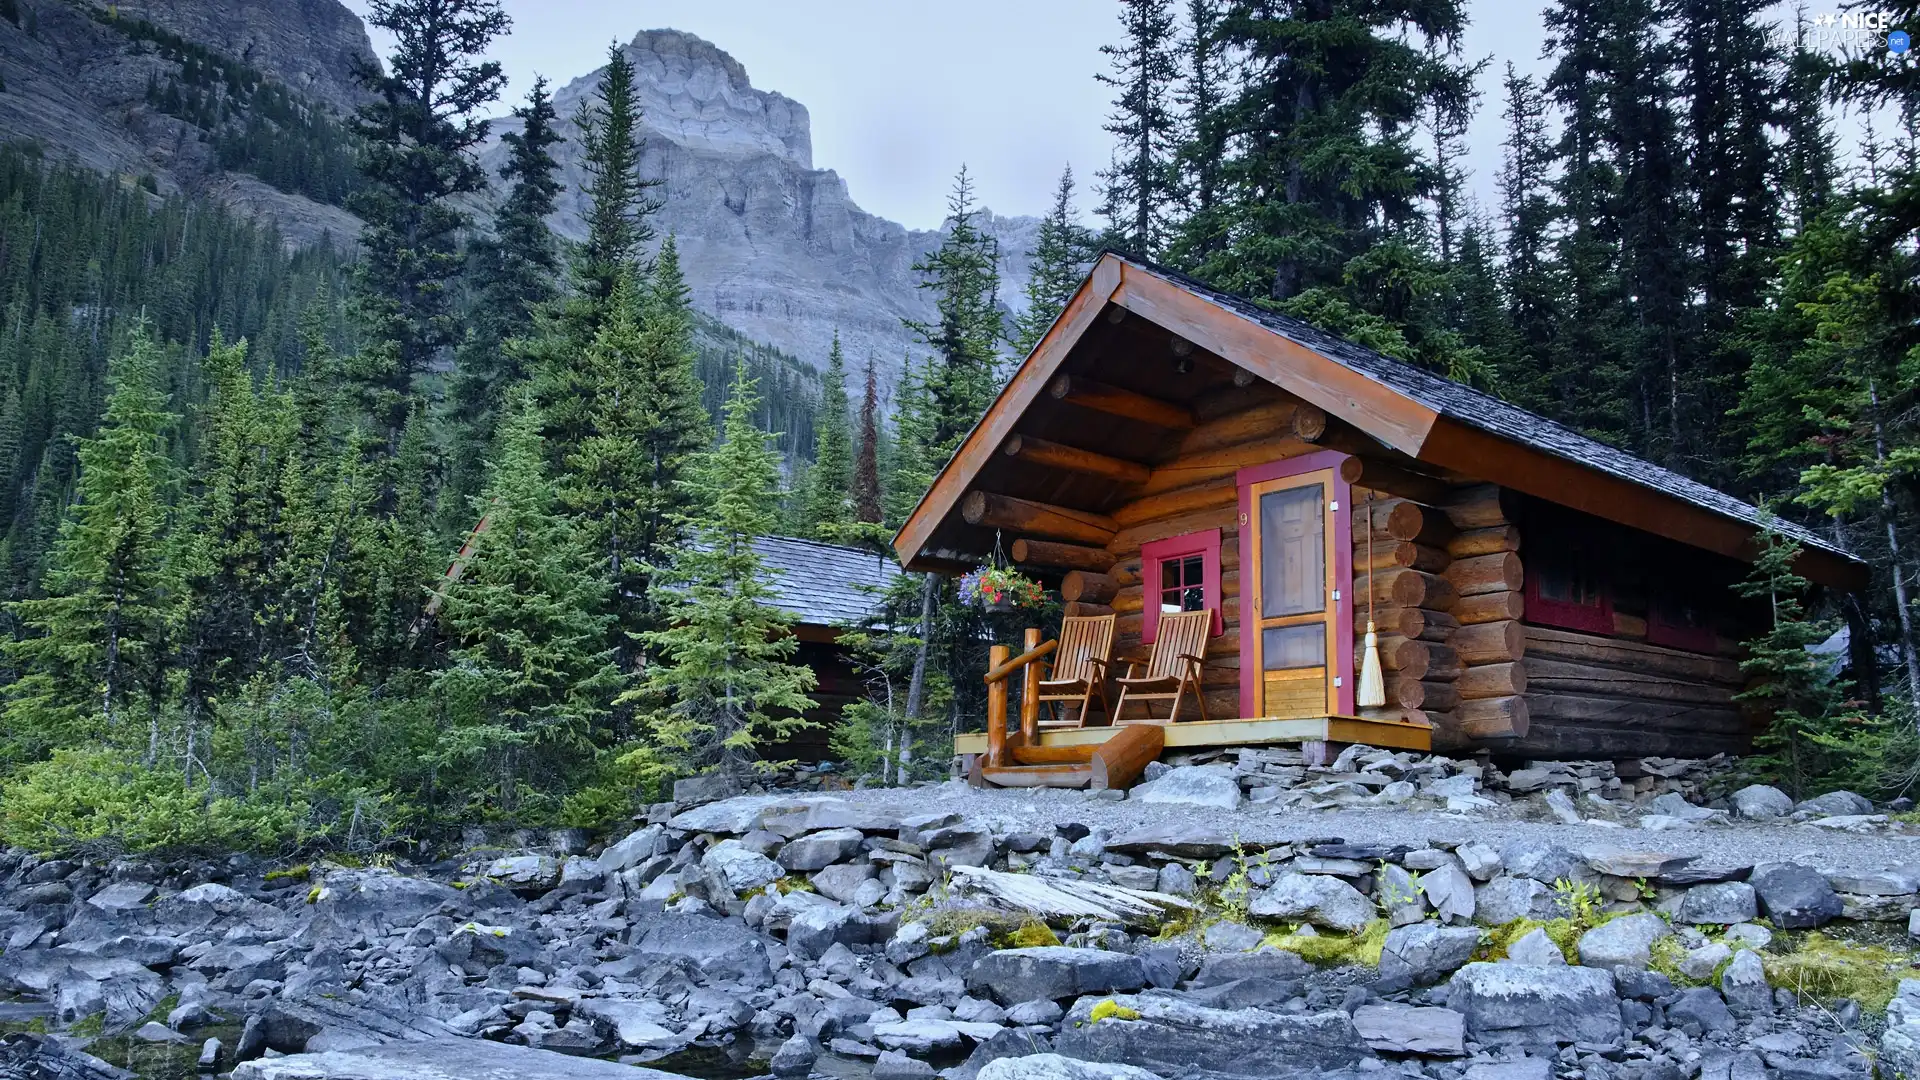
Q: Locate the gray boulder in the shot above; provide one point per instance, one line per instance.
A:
(795, 1058)
(1449, 892)
(1407, 1029)
(375, 899)
(1055, 1067)
(1744, 985)
(842, 882)
(721, 950)
(1521, 1005)
(1425, 953)
(526, 873)
(1324, 901)
(1402, 896)
(1759, 802)
(695, 790)
(1176, 840)
(819, 850)
(1192, 785)
(1176, 1037)
(1702, 1007)
(122, 896)
(740, 867)
(44, 1057)
(822, 926)
(1835, 804)
(1724, 904)
(1505, 899)
(1625, 942)
(443, 1059)
(1795, 897)
(1053, 972)
(634, 848)
(1536, 948)
(1276, 964)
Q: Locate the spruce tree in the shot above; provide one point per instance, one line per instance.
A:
(963, 274)
(1202, 95)
(619, 200)
(417, 137)
(1137, 190)
(724, 687)
(1062, 250)
(94, 641)
(867, 508)
(1529, 277)
(530, 672)
(1806, 737)
(827, 508)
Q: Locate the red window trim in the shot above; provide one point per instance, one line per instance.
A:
(1205, 544)
(1676, 635)
(1597, 618)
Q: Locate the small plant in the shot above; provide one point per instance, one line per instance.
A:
(297, 872)
(997, 589)
(1111, 1010)
(88, 1027)
(1579, 902)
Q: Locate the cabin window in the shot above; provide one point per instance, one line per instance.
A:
(1181, 573)
(1566, 587)
(1680, 622)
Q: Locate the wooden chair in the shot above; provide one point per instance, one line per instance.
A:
(1171, 670)
(1079, 669)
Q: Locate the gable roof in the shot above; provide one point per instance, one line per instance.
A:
(1419, 413)
(824, 585)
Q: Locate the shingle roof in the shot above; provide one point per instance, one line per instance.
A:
(825, 584)
(1490, 414)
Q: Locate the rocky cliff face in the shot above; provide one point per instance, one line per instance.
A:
(773, 246)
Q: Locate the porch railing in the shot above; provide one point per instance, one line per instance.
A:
(999, 671)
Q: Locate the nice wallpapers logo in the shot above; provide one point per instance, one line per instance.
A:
(1854, 33)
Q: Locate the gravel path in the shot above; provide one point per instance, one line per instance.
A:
(1716, 845)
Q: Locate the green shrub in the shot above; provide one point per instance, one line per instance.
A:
(80, 797)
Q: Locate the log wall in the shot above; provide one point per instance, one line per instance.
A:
(1598, 696)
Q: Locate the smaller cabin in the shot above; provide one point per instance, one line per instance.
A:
(1169, 448)
(825, 587)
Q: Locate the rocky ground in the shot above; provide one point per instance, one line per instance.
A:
(1241, 917)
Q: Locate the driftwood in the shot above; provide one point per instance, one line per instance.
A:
(1050, 897)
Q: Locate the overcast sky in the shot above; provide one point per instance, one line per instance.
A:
(902, 93)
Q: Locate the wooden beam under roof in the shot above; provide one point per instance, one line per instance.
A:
(1115, 401)
(1052, 455)
(989, 510)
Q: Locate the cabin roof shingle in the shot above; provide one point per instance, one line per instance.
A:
(1473, 408)
(824, 584)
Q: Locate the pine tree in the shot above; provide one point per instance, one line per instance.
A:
(1137, 191)
(1807, 163)
(417, 138)
(619, 200)
(1202, 95)
(723, 687)
(531, 671)
(963, 274)
(95, 640)
(1062, 250)
(866, 470)
(1529, 278)
(827, 508)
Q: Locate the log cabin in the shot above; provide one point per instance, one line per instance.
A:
(825, 588)
(1168, 447)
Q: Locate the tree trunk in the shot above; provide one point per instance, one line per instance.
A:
(1895, 564)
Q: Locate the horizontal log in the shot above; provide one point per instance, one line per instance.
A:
(1489, 607)
(1087, 587)
(1077, 609)
(1206, 495)
(1632, 656)
(1283, 416)
(1636, 715)
(1049, 553)
(1566, 740)
(1492, 680)
(1128, 599)
(1548, 675)
(1124, 571)
(1489, 643)
(1408, 588)
(1393, 480)
(1412, 658)
(1476, 574)
(1405, 692)
(1408, 622)
(1127, 541)
(1225, 461)
(1053, 455)
(1493, 718)
(1114, 401)
(988, 510)
(1439, 696)
(1395, 519)
(1394, 714)
(1629, 626)
(1482, 506)
(1388, 554)
(1484, 541)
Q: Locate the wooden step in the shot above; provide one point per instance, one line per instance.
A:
(1116, 763)
(1055, 776)
(1054, 755)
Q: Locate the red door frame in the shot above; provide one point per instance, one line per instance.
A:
(1342, 521)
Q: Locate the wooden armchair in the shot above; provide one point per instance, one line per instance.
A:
(1171, 671)
(1079, 670)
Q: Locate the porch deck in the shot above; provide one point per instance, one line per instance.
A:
(1252, 731)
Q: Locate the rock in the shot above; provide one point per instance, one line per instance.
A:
(795, 1058)
(526, 873)
(1449, 892)
(29, 1056)
(1424, 953)
(842, 882)
(1560, 805)
(1192, 785)
(1400, 894)
(376, 899)
(1480, 861)
(1406, 1029)
(1702, 962)
(1035, 1013)
(634, 848)
(1324, 901)
(1503, 900)
(1759, 802)
(1176, 880)
(1229, 936)
(1537, 949)
(816, 851)
(1055, 1067)
(695, 790)
(1520, 1005)
(444, 1059)
(1273, 964)
(1546, 864)
(1053, 972)
(639, 1025)
(1674, 805)
(1703, 1007)
(1835, 804)
(740, 867)
(1744, 985)
(722, 950)
(1913, 923)
(1794, 897)
(1175, 1037)
(122, 896)
(1625, 942)
(1723, 904)
(1175, 840)
(1533, 1068)
(919, 1037)
(1752, 935)
(736, 816)
(1626, 863)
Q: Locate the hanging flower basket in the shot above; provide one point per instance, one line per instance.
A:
(993, 589)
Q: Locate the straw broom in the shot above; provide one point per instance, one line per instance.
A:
(1372, 691)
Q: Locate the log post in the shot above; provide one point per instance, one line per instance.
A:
(1113, 401)
(1086, 587)
(997, 708)
(1063, 556)
(1030, 690)
(988, 510)
(1053, 455)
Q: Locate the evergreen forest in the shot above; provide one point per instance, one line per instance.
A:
(237, 475)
